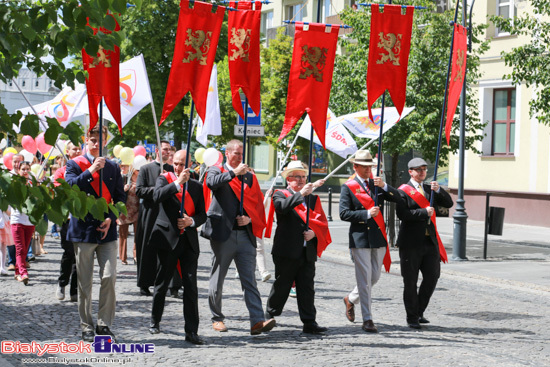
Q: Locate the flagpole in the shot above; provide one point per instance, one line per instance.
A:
(444, 106)
(266, 196)
(101, 146)
(380, 145)
(187, 155)
(241, 210)
(333, 172)
(159, 155)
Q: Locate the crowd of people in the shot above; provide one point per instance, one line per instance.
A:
(170, 205)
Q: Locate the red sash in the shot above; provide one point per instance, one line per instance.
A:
(189, 205)
(424, 203)
(317, 221)
(367, 202)
(84, 164)
(253, 203)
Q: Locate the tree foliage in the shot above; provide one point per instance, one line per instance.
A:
(529, 62)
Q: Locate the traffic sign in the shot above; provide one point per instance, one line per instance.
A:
(255, 131)
(252, 118)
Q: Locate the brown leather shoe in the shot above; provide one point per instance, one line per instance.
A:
(219, 326)
(369, 327)
(350, 312)
(262, 326)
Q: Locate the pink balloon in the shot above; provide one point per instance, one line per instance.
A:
(140, 150)
(41, 144)
(29, 144)
(7, 161)
(220, 159)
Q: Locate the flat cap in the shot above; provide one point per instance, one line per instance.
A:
(416, 162)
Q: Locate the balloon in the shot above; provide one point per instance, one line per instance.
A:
(210, 156)
(140, 150)
(7, 160)
(41, 144)
(35, 169)
(116, 150)
(10, 150)
(29, 144)
(62, 144)
(126, 155)
(199, 153)
(27, 156)
(3, 143)
(139, 161)
(55, 153)
(220, 159)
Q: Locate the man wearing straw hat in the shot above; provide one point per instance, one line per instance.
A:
(367, 232)
(295, 246)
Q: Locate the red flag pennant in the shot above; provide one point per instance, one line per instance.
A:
(244, 53)
(389, 47)
(310, 77)
(196, 43)
(458, 71)
(103, 80)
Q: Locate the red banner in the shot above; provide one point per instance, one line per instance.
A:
(422, 202)
(244, 53)
(311, 76)
(458, 71)
(196, 43)
(390, 42)
(103, 80)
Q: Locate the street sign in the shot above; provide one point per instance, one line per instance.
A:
(150, 148)
(252, 118)
(250, 130)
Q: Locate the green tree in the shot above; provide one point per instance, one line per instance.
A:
(529, 62)
(29, 31)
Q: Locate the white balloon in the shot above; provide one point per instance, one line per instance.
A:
(139, 161)
(27, 155)
(3, 143)
(210, 156)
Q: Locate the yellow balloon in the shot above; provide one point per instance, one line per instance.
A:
(116, 150)
(126, 155)
(55, 152)
(199, 155)
(35, 169)
(9, 150)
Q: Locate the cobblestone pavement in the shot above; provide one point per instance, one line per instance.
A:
(475, 321)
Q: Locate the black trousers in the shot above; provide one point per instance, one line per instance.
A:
(168, 260)
(288, 271)
(426, 259)
(67, 270)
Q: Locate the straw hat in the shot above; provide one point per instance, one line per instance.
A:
(363, 158)
(292, 167)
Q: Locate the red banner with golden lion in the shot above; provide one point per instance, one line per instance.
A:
(311, 76)
(194, 53)
(390, 42)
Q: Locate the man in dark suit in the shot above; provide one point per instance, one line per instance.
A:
(295, 246)
(233, 236)
(93, 237)
(175, 238)
(148, 212)
(367, 232)
(420, 248)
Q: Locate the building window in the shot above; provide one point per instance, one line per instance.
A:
(505, 9)
(260, 157)
(36, 83)
(267, 22)
(504, 121)
(295, 12)
(327, 9)
(23, 83)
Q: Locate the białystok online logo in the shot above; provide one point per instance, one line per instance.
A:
(104, 344)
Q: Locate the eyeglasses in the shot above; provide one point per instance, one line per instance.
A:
(425, 169)
(299, 177)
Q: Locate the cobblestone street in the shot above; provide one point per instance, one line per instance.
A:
(475, 321)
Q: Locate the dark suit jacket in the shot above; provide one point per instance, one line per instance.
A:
(414, 220)
(224, 207)
(165, 231)
(364, 232)
(86, 230)
(289, 236)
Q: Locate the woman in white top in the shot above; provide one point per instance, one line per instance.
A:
(22, 230)
(5, 240)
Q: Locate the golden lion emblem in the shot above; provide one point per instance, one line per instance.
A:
(241, 39)
(459, 63)
(313, 62)
(199, 40)
(101, 58)
(392, 45)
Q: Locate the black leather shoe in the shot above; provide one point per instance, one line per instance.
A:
(193, 338)
(154, 328)
(104, 330)
(414, 325)
(314, 328)
(88, 336)
(174, 293)
(144, 291)
(422, 320)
